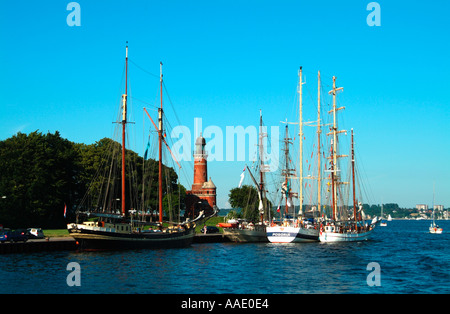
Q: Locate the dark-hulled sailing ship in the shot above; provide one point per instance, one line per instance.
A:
(96, 230)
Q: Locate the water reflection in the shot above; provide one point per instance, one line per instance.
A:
(411, 261)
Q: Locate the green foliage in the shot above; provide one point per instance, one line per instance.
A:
(246, 198)
(389, 209)
(213, 221)
(41, 173)
(101, 176)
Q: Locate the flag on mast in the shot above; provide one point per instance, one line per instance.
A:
(65, 210)
(242, 178)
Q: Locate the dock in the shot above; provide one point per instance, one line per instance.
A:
(210, 238)
(69, 243)
(39, 245)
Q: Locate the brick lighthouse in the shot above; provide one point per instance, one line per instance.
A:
(203, 193)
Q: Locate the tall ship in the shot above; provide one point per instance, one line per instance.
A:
(244, 230)
(112, 223)
(344, 225)
(292, 226)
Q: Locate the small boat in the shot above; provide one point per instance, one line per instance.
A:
(434, 228)
(227, 225)
(383, 222)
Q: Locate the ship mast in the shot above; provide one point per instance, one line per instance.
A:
(160, 135)
(262, 169)
(318, 147)
(287, 172)
(335, 132)
(300, 123)
(124, 122)
(353, 179)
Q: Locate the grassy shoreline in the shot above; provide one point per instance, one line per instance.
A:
(64, 233)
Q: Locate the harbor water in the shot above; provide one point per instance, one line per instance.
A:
(407, 260)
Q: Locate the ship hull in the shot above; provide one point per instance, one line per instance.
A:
(279, 234)
(435, 230)
(246, 235)
(103, 240)
(344, 237)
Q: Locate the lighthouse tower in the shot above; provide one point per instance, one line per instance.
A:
(203, 193)
(200, 163)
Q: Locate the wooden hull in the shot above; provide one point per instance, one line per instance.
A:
(103, 240)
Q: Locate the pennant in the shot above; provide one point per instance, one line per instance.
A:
(242, 178)
(65, 210)
(261, 207)
(146, 151)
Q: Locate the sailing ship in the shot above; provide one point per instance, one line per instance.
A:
(242, 230)
(434, 228)
(383, 222)
(105, 228)
(295, 228)
(343, 228)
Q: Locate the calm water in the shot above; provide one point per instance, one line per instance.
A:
(411, 261)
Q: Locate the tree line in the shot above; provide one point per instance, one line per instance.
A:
(41, 174)
(244, 201)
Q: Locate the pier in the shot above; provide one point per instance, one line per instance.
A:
(210, 238)
(39, 245)
(69, 243)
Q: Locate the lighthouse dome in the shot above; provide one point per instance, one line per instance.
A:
(200, 140)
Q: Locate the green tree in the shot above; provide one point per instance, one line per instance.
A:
(101, 178)
(246, 198)
(39, 175)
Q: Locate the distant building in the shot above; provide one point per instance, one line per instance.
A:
(202, 196)
(422, 207)
(439, 207)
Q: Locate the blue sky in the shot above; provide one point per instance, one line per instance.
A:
(225, 60)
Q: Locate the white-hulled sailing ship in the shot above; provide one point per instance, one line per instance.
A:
(293, 227)
(104, 228)
(342, 227)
